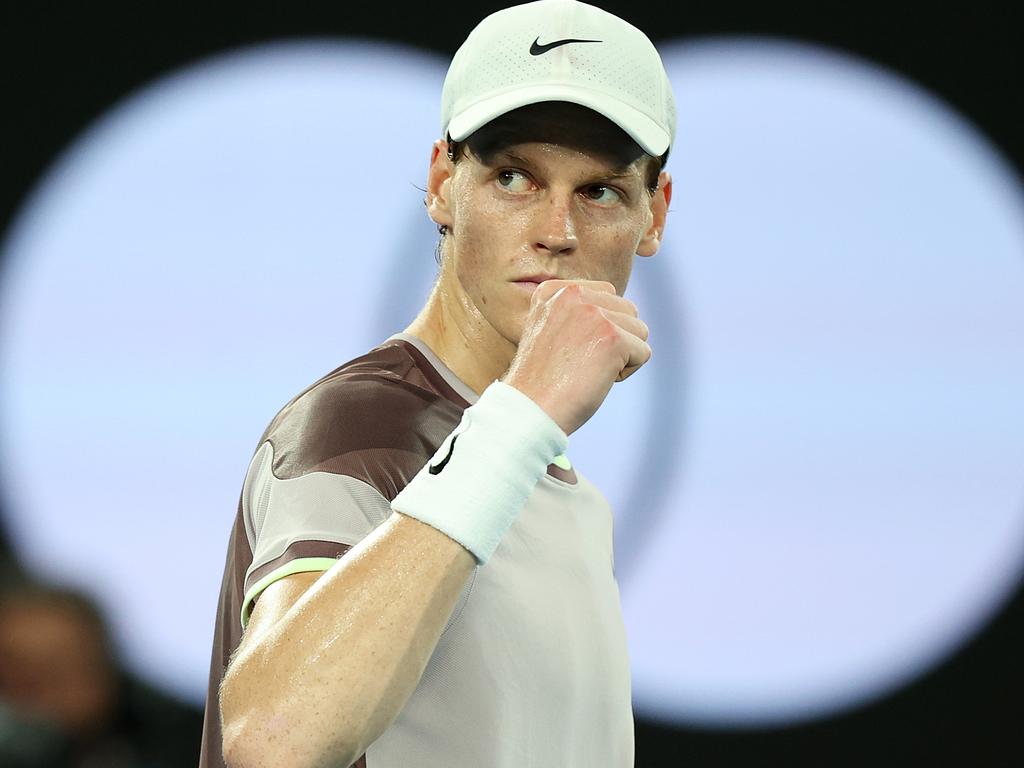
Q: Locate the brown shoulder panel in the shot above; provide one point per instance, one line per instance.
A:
(378, 418)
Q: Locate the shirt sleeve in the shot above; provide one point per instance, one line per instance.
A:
(303, 523)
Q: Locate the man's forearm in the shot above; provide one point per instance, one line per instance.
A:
(329, 676)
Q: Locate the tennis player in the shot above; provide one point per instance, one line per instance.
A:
(417, 576)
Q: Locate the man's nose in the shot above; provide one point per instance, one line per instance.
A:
(556, 229)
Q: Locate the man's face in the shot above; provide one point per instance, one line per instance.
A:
(543, 207)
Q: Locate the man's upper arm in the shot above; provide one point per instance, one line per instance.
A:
(274, 602)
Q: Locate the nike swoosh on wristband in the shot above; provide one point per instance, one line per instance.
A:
(537, 50)
(435, 469)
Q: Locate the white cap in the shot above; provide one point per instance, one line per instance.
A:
(560, 50)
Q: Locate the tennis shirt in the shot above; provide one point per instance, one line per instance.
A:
(531, 668)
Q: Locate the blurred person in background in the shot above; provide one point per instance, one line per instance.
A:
(65, 699)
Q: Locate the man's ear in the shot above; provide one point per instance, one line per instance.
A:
(439, 182)
(651, 240)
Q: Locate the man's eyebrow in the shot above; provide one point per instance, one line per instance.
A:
(504, 157)
(624, 172)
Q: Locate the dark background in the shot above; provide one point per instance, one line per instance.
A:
(63, 65)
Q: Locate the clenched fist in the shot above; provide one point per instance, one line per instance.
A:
(579, 338)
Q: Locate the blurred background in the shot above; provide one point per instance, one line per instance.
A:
(818, 481)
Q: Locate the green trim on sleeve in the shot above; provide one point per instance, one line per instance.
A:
(299, 565)
(562, 461)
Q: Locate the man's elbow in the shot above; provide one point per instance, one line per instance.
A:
(238, 745)
(246, 748)
(252, 737)
(243, 742)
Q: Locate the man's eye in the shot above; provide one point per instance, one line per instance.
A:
(513, 180)
(599, 193)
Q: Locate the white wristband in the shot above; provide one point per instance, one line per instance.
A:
(483, 472)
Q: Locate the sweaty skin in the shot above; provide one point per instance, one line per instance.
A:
(537, 208)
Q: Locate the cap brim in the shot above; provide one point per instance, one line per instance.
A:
(646, 132)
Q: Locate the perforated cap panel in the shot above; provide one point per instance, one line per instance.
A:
(560, 50)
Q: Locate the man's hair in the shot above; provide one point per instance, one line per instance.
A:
(556, 122)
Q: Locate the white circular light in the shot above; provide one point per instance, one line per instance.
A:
(213, 245)
(849, 257)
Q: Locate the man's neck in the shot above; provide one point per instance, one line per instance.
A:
(462, 339)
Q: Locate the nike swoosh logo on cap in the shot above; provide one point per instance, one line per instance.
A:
(537, 50)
